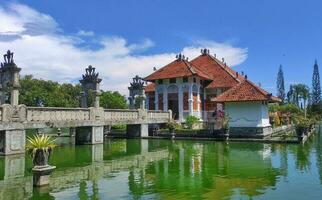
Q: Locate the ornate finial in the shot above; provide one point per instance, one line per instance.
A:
(204, 51)
(91, 75)
(215, 55)
(154, 69)
(8, 58)
(236, 74)
(180, 56)
(242, 72)
(223, 60)
(246, 77)
(138, 82)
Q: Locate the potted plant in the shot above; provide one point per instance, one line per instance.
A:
(40, 148)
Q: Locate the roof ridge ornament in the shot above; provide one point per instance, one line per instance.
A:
(205, 51)
(180, 56)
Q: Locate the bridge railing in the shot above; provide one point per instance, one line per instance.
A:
(37, 114)
(120, 114)
(159, 115)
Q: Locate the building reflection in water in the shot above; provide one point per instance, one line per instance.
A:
(159, 168)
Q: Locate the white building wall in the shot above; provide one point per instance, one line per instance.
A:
(247, 114)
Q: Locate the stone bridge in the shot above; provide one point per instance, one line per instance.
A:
(86, 123)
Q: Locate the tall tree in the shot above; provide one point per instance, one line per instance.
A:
(280, 84)
(316, 86)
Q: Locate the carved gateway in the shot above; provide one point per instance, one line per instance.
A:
(90, 88)
(137, 94)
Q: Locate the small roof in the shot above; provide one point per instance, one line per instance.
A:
(150, 87)
(245, 91)
(178, 68)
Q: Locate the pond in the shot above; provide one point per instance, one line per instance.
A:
(165, 169)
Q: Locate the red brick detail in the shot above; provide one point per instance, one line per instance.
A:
(195, 102)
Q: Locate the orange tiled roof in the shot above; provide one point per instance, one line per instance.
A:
(245, 91)
(222, 75)
(177, 68)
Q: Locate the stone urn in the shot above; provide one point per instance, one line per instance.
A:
(41, 157)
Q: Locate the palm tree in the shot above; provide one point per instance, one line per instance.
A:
(301, 91)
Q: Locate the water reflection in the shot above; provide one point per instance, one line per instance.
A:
(163, 169)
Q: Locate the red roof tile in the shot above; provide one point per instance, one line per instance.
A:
(222, 75)
(177, 68)
(245, 91)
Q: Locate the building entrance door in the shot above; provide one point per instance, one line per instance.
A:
(173, 104)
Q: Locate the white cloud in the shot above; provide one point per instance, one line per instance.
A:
(42, 49)
(85, 33)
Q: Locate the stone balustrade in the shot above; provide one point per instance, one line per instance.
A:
(21, 116)
(52, 114)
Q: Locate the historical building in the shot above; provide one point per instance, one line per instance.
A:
(206, 87)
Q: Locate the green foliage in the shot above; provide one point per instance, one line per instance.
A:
(119, 127)
(191, 120)
(316, 85)
(292, 108)
(113, 100)
(280, 84)
(172, 125)
(43, 142)
(297, 93)
(37, 92)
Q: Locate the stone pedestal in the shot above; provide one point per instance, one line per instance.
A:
(90, 135)
(137, 130)
(41, 175)
(12, 142)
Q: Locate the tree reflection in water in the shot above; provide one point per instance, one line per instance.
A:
(166, 169)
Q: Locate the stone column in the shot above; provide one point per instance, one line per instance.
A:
(14, 166)
(165, 98)
(137, 130)
(156, 100)
(190, 100)
(90, 135)
(97, 153)
(180, 99)
(198, 102)
(14, 97)
(147, 103)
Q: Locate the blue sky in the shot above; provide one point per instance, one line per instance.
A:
(137, 35)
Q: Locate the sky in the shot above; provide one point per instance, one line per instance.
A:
(57, 39)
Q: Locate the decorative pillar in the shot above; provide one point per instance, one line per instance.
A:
(190, 100)
(165, 98)
(9, 76)
(198, 102)
(180, 99)
(156, 100)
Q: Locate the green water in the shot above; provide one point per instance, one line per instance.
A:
(164, 169)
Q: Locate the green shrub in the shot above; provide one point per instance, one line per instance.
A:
(191, 120)
(119, 127)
